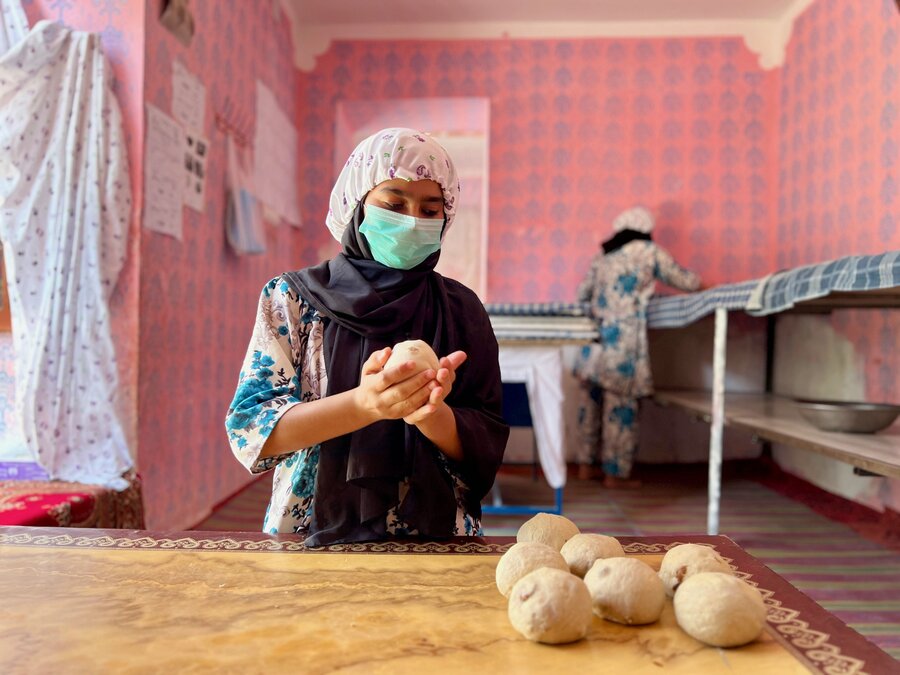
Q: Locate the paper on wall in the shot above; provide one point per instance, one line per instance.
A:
(163, 173)
(188, 98)
(275, 157)
(270, 215)
(196, 150)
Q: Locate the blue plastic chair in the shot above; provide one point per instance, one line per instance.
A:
(517, 413)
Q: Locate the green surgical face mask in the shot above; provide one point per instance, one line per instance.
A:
(400, 241)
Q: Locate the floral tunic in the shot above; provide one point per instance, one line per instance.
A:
(284, 367)
(618, 287)
(616, 369)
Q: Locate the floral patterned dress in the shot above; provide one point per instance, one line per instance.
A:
(284, 367)
(615, 370)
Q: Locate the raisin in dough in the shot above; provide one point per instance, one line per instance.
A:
(582, 550)
(417, 351)
(685, 560)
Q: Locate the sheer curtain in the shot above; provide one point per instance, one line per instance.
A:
(65, 206)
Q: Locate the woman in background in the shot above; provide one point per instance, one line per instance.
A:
(362, 452)
(615, 371)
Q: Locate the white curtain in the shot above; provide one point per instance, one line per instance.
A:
(65, 206)
(540, 368)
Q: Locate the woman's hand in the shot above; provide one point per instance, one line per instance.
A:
(442, 384)
(396, 392)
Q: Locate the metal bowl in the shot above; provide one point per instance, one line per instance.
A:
(847, 416)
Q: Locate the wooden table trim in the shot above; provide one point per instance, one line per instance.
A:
(61, 537)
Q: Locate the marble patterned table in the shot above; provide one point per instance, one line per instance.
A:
(129, 601)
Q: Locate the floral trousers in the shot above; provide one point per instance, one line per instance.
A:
(608, 430)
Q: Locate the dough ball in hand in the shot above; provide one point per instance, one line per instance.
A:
(550, 606)
(719, 609)
(685, 560)
(523, 558)
(549, 529)
(625, 590)
(582, 550)
(413, 350)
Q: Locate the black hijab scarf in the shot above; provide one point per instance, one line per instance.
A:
(622, 237)
(369, 306)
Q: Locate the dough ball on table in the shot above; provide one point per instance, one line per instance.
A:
(549, 529)
(625, 590)
(583, 549)
(523, 558)
(550, 606)
(719, 609)
(685, 560)
(413, 350)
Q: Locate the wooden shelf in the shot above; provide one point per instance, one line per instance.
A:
(882, 298)
(776, 419)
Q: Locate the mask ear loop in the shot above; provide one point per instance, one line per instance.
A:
(352, 238)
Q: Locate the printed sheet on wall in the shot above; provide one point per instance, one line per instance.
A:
(275, 157)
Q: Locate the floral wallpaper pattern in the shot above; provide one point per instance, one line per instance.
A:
(747, 171)
(580, 130)
(839, 159)
(198, 299)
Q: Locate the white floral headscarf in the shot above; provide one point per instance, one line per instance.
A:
(391, 153)
(638, 219)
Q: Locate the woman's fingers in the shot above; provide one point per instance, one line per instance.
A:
(404, 397)
(409, 404)
(431, 405)
(403, 390)
(420, 414)
(407, 394)
(376, 361)
(391, 376)
(445, 376)
(454, 360)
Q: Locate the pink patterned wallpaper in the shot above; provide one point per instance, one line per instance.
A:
(839, 158)
(198, 299)
(121, 26)
(747, 170)
(581, 129)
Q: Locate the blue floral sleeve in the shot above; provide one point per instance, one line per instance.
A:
(671, 273)
(269, 382)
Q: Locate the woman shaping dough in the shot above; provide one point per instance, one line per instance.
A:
(361, 451)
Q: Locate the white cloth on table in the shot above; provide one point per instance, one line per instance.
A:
(541, 369)
(65, 208)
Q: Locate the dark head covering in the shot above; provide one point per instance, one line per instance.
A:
(368, 306)
(619, 239)
(634, 224)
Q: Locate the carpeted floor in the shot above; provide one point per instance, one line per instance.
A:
(852, 576)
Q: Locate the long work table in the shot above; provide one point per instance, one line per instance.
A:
(860, 282)
(133, 601)
(851, 282)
